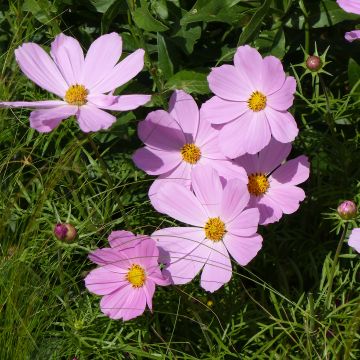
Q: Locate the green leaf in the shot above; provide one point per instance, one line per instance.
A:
(353, 72)
(144, 20)
(116, 8)
(43, 10)
(189, 81)
(271, 42)
(186, 38)
(164, 61)
(254, 25)
(102, 5)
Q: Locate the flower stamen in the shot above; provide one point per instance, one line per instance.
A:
(215, 229)
(258, 184)
(136, 276)
(76, 95)
(257, 101)
(190, 153)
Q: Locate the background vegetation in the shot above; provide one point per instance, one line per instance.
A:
(273, 309)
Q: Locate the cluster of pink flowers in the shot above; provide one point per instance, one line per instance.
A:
(221, 169)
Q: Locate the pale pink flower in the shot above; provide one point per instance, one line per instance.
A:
(219, 226)
(354, 239)
(177, 142)
(352, 35)
(251, 103)
(272, 182)
(351, 6)
(83, 84)
(127, 275)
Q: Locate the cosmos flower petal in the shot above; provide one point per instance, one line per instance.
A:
(45, 120)
(183, 252)
(283, 125)
(217, 270)
(91, 118)
(44, 104)
(350, 36)
(128, 102)
(351, 6)
(245, 224)
(293, 172)
(183, 108)
(156, 162)
(270, 211)
(220, 111)
(37, 65)
(69, 58)
(100, 59)
(121, 73)
(235, 198)
(354, 239)
(208, 189)
(121, 239)
(243, 249)
(273, 75)
(181, 204)
(283, 98)
(226, 82)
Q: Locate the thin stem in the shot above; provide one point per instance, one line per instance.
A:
(328, 116)
(333, 270)
(109, 180)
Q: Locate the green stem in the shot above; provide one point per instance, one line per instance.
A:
(109, 180)
(333, 270)
(328, 116)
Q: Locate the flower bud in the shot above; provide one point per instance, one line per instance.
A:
(65, 232)
(347, 210)
(314, 63)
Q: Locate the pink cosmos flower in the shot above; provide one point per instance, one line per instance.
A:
(272, 183)
(354, 239)
(177, 142)
(352, 35)
(127, 275)
(83, 84)
(251, 103)
(352, 6)
(219, 226)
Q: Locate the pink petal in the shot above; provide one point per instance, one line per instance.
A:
(272, 156)
(217, 270)
(121, 239)
(293, 172)
(249, 162)
(234, 199)
(243, 249)
(352, 35)
(160, 131)
(122, 73)
(248, 61)
(283, 98)
(101, 100)
(37, 65)
(226, 82)
(91, 118)
(100, 59)
(45, 104)
(183, 252)
(351, 6)
(220, 111)
(245, 224)
(208, 189)
(156, 162)
(45, 120)
(181, 204)
(105, 256)
(270, 211)
(183, 108)
(255, 134)
(101, 281)
(354, 239)
(146, 254)
(282, 124)
(149, 290)
(69, 58)
(273, 75)
(128, 102)
(287, 197)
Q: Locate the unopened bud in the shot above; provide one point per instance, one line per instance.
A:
(314, 63)
(65, 232)
(347, 210)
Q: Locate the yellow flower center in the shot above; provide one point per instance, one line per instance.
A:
(190, 153)
(257, 101)
(136, 276)
(258, 184)
(76, 95)
(215, 229)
